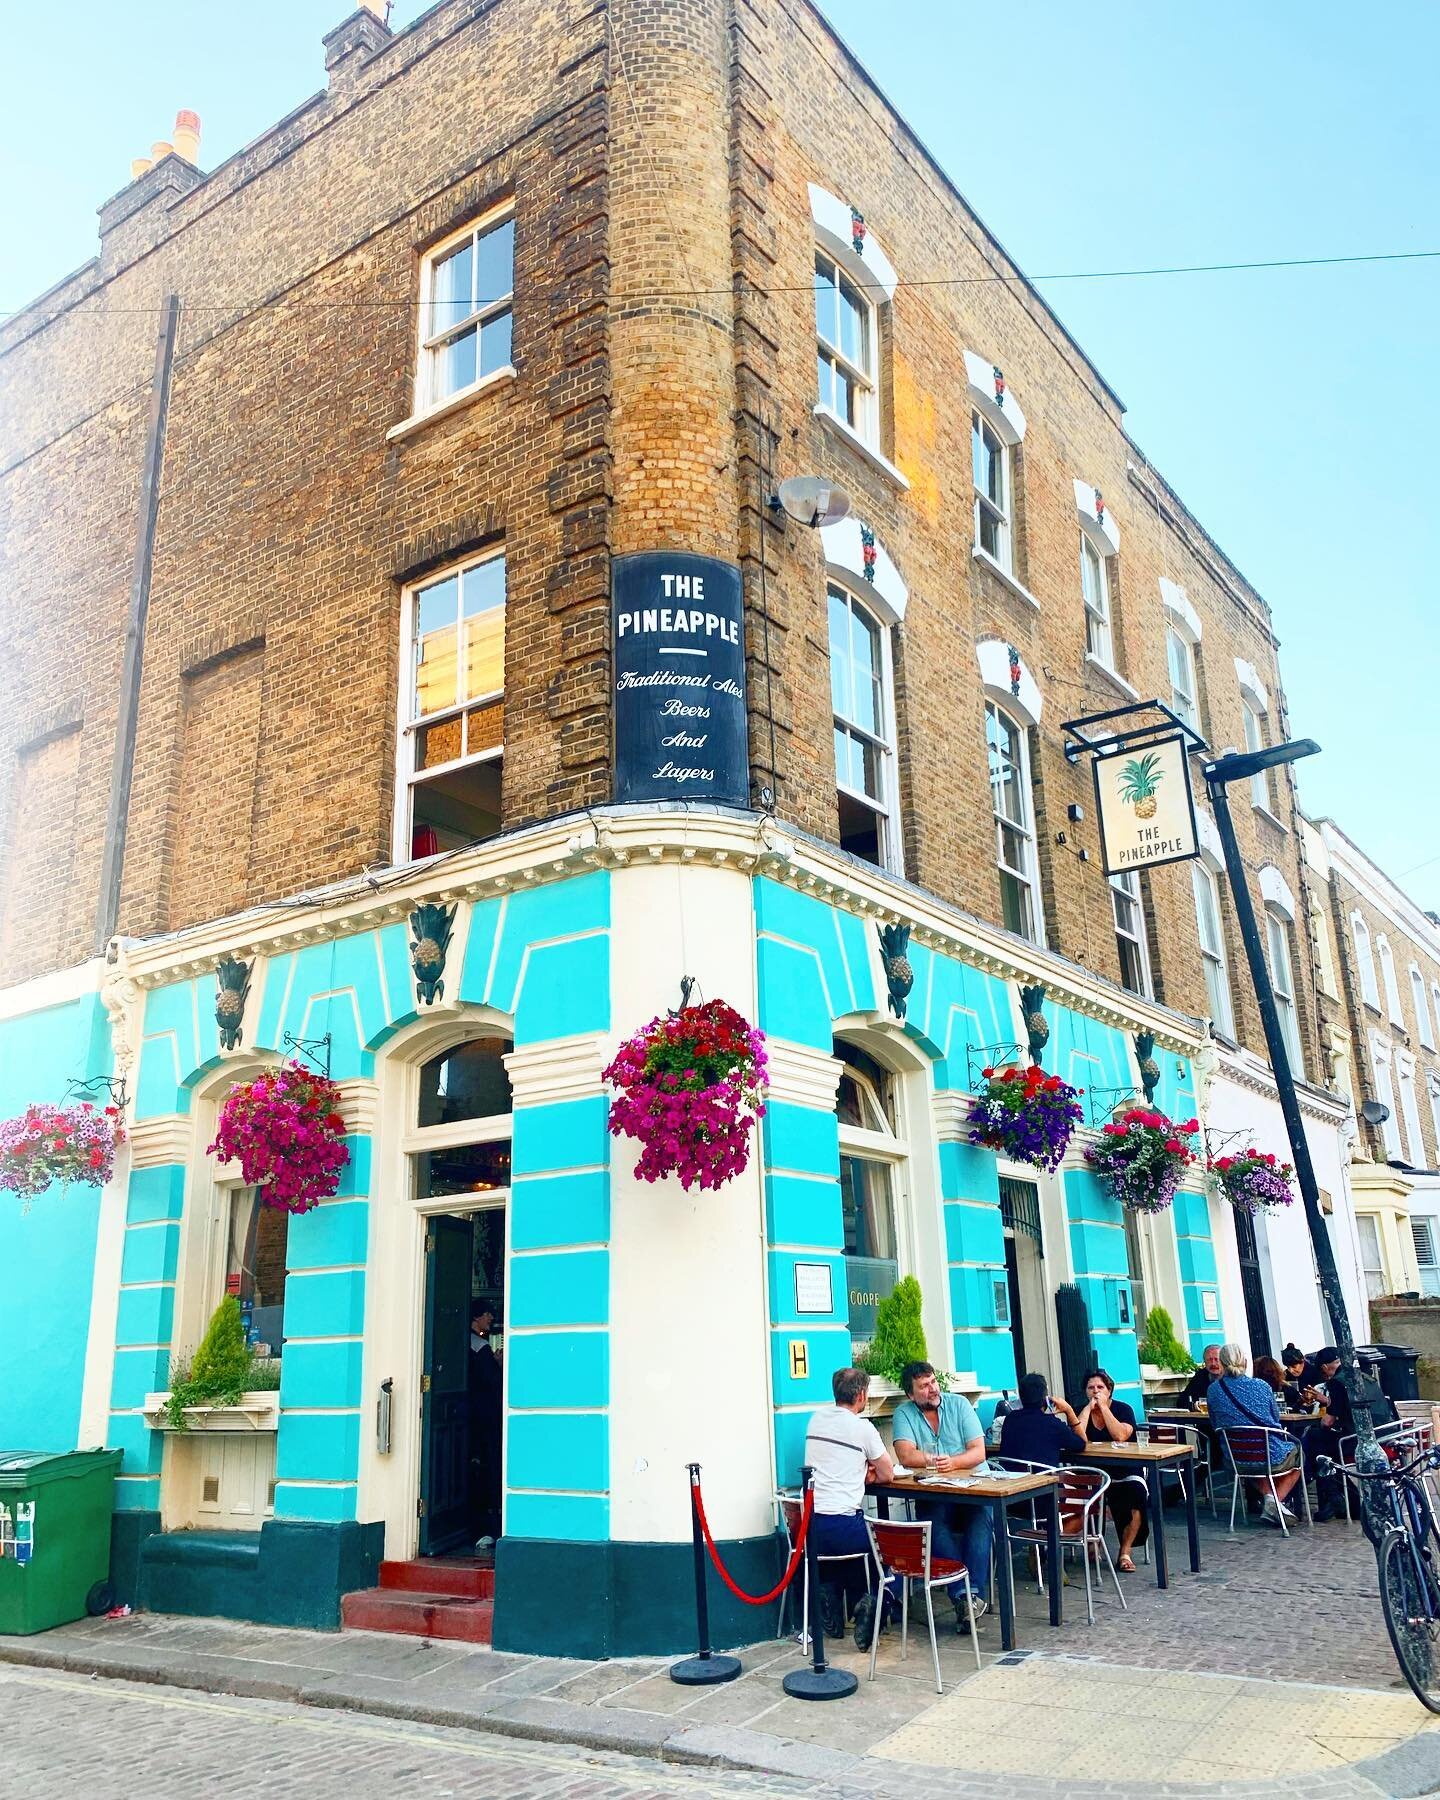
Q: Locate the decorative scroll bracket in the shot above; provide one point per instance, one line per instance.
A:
(308, 1048)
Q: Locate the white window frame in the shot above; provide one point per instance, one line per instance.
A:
(1422, 1234)
(1127, 882)
(1281, 958)
(1000, 511)
(1216, 963)
(1432, 1084)
(1095, 592)
(887, 1144)
(865, 380)
(1365, 959)
(1410, 1109)
(1423, 1022)
(887, 812)
(1385, 1094)
(1027, 878)
(1370, 1241)
(1185, 705)
(1389, 981)
(407, 777)
(431, 345)
(1253, 718)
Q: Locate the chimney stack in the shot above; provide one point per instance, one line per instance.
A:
(187, 136)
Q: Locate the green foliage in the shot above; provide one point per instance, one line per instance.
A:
(899, 1333)
(220, 1371)
(1160, 1345)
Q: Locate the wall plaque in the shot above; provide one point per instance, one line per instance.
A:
(678, 633)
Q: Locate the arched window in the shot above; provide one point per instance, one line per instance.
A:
(874, 1154)
(1282, 980)
(1212, 946)
(1387, 976)
(1422, 1007)
(1008, 750)
(462, 1121)
(862, 694)
(1365, 961)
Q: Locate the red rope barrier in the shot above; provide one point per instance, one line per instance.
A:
(791, 1567)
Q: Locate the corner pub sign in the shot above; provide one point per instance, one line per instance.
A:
(679, 661)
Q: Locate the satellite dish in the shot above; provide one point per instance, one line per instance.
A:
(812, 500)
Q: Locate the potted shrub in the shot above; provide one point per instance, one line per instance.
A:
(1141, 1157)
(899, 1335)
(284, 1129)
(692, 1085)
(222, 1374)
(1164, 1360)
(61, 1144)
(1026, 1115)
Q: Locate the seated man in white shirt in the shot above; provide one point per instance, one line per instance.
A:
(843, 1447)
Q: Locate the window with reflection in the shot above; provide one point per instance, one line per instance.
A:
(862, 701)
(453, 742)
(466, 1085)
(991, 466)
(255, 1252)
(466, 302)
(846, 349)
(873, 1157)
(1009, 755)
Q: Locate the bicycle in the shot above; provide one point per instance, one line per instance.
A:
(1406, 1537)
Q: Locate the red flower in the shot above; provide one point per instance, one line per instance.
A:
(1174, 1146)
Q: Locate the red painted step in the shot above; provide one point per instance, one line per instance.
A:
(418, 1615)
(468, 1577)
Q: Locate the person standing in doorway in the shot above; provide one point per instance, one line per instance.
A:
(487, 1406)
(942, 1433)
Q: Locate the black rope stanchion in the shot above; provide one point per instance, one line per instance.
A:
(819, 1681)
(707, 1669)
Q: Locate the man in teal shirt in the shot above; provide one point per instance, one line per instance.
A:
(941, 1432)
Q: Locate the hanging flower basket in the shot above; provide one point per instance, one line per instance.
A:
(1253, 1181)
(58, 1144)
(692, 1085)
(1025, 1114)
(1141, 1157)
(285, 1131)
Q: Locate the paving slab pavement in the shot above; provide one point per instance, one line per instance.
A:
(1268, 1673)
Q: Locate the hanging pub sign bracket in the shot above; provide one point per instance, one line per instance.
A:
(1141, 762)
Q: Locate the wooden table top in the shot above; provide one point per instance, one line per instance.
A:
(1179, 1415)
(969, 1487)
(1141, 1453)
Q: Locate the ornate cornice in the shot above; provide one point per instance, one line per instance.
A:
(1242, 1070)
(621, 838)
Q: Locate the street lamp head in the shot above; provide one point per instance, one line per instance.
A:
(1240, 765)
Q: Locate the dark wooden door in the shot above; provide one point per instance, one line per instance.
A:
(445, 1391)
(1251, 1286)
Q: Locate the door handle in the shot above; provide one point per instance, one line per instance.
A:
(383, 1410)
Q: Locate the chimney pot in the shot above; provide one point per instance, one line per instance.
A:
(187, 136)
(160, 148)
(138, 166)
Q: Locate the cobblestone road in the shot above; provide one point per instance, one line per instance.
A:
(64, 1737)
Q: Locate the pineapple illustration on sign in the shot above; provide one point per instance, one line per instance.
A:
(1138, 781)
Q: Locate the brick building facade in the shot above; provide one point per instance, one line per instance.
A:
(1379, 990)
(531, 287)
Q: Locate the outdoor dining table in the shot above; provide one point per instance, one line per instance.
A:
(1151, 1460)
(1181, 1415)
(999, 1493)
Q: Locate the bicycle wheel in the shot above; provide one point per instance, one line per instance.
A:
(1407, 1596)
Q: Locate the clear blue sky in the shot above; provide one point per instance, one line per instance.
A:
(1294, 410)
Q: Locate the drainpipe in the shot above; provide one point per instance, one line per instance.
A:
(112, 868)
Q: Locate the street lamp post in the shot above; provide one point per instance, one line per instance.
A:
(1240, 766)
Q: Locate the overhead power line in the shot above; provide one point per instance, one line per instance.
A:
(932, 281)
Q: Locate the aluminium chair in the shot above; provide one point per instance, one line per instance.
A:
(902, 1547)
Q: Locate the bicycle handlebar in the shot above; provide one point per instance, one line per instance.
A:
(1326, 1466)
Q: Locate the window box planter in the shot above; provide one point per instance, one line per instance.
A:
(1157, 1381)
(258, 1411)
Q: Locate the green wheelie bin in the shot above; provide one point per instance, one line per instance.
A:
(55, 1509)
